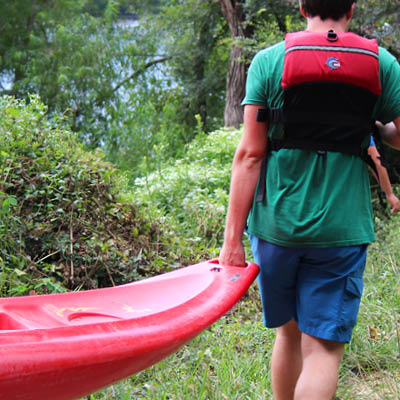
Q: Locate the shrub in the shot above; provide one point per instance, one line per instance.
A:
(193, 192)
(62, 221)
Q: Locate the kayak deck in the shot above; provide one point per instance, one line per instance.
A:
(71, 344)
(98, 306)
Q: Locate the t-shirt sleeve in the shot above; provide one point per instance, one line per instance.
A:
(256, 82)
(372, 142)
(388, 105)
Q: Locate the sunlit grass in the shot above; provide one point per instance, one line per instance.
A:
(231, 359)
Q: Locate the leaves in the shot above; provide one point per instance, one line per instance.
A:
(61, 221)
(193, 192)
(6, 203)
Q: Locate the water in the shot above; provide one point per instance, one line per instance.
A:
(6, 80)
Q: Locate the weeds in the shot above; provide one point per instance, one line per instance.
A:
(62, 223)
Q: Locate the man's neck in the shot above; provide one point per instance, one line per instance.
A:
(316, 24)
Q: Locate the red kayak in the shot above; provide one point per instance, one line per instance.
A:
(68, 345)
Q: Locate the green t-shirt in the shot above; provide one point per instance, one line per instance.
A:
(313, 200)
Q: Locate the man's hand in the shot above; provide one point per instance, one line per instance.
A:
(233, 255)
(394, 202)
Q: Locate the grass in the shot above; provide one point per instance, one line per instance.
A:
(230, 360)
(370, 368)
(227, 361)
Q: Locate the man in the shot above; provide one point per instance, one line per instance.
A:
(310, 216)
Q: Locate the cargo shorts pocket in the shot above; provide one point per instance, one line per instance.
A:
(351, 300)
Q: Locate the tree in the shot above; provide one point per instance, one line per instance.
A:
(99, 73)
(194, 35)
(244, 18)
(130, 88)
(235, 81)
(78, 63)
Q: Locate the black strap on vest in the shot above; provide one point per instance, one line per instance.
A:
(260, 197)
(277, 116)
(270, 115)
(379, 145)
(319, 147)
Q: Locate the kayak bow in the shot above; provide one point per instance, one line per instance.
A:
(67, 345)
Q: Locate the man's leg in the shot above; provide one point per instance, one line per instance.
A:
(304, 367)
(319, 376)
(286, 362)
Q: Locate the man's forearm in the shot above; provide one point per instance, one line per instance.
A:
(245, 175)
(243, 183)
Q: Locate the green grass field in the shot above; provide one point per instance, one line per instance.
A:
(230, 360)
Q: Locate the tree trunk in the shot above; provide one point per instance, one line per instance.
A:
(236, 79)
(235, 88)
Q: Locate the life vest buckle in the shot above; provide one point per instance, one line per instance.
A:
(262, 115)
(332, 36)
(271, 115)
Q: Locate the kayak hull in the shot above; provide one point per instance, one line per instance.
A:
(66, 346)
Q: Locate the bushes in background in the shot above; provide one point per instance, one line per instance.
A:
(62, 221)
(192, 193)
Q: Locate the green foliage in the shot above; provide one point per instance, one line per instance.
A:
(381, 20)
(140, 139)
(156, 120)
(96, 71)
(62, 220)
(271, 20)
(125, 7)
(193, 192)
(109, 77)
(136, 87)
(194, 32)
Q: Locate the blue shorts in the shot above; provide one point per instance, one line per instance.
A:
(320, 288)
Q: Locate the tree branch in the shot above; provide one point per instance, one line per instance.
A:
(139, 71)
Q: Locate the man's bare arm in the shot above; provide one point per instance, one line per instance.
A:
(245, 172)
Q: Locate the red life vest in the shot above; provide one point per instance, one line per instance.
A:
(330, 86)
(329, 57)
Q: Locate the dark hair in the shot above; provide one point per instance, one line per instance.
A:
(332, 9)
